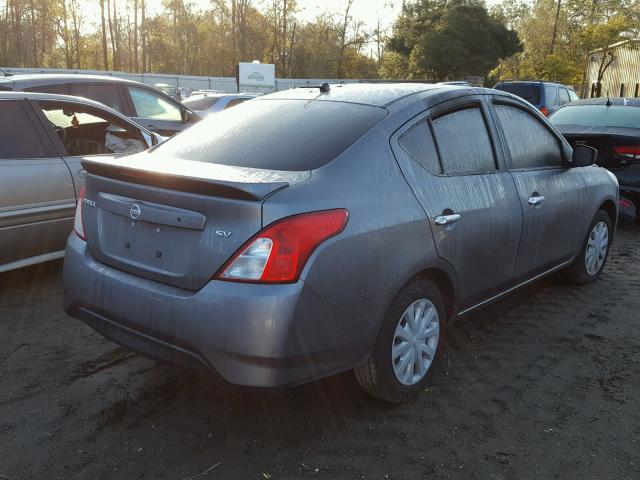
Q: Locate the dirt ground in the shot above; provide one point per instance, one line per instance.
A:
(543, 385)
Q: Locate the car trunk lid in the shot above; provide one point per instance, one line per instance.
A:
(173, 221)
(605, 140)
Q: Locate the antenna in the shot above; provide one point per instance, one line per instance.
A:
(608, 102)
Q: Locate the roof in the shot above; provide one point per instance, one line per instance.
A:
(617, 44)
(530, 82)
(375, 94)
(221, 95)
(27, 80)
(618, 101)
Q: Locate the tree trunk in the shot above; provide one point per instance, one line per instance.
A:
(105, 53)
(143, 34)
(135, 36)
(111, 36)
(555, 29)
(65, 35)
(33, 33)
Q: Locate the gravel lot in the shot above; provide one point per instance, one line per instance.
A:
(545, 384)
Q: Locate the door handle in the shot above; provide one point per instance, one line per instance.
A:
(447, 219)
(536, 200)
(82, 173)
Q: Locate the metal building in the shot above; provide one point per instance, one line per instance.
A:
(622, 75)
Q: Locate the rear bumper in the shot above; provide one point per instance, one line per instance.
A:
(248, 334)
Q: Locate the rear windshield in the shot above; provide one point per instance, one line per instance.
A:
(201, 102)
(531, 93)
(291, 135)
(598, 116)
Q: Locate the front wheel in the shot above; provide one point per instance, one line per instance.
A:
(407, 344)
(595, 250)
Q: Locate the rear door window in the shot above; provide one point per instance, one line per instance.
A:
(551, 95)
(19, 136)
(530, 143)
(418, 143)
(464, 142)
(564, 96)
(152, 105)
(106, 93)
(573, 96)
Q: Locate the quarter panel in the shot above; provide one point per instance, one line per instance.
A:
(387, 235)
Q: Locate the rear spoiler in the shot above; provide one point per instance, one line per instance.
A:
(204, 184)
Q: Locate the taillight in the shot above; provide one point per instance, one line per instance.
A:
(625, 203)
(279, 252)
(544, 111)
(78, 227)
(629, 152)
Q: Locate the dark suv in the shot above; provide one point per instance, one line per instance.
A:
(545, 96)
(146, 105)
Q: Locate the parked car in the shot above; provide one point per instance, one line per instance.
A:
(347, 234)
(144, 104)
(545, 96)
(42, 139)
(205, 103)
(612, 126)
(170, 90)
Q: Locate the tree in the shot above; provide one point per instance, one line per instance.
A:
(599, 38)
(452, 40)
(105, 52)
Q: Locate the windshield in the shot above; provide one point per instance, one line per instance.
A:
(289, 135)
(531, 93)
(598, 116)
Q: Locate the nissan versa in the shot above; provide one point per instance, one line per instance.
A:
(318, 230)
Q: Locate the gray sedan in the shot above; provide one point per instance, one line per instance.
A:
(346, 230)
(42, 140)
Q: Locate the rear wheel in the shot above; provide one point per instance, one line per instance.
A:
(407, 344)
(593, 255)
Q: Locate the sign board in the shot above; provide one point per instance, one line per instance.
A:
(256, 77)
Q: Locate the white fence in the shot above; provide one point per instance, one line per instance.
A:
(225, 84)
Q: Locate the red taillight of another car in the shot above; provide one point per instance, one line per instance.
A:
(625, 203)
(628, 152)
(279, 252)
(544, 111)
(78, 227)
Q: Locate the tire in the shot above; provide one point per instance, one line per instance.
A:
(579, 272)
(378, 375)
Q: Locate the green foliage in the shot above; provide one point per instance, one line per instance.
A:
(446, 40)
(582, 26)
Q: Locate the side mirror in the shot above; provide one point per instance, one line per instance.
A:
(583, 156)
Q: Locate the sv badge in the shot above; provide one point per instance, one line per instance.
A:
(223, 233)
